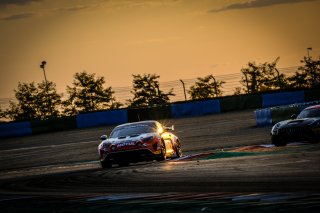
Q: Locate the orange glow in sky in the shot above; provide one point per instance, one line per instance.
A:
(174, 39)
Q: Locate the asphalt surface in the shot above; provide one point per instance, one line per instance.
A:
(226, 160)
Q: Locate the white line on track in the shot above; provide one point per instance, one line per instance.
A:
(49, 169)
(48, 146)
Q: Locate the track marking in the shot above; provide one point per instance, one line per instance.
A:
(129, 196)
(49, 169)
(16, 198)
(47, 146)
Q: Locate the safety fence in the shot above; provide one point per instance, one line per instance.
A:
(264, 115)
(180, 87)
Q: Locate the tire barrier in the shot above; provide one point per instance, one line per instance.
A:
(53, 124)
(240, 102)
(282, 98)
(195, 108)
(272, 115)
(263, 117)
(283, 113)
(15, 129)
(102, 118)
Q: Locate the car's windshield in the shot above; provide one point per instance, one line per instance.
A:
(132, 130)
(309, 113)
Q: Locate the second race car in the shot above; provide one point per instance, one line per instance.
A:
(305, 127)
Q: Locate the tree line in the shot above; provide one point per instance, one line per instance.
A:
(87, 93)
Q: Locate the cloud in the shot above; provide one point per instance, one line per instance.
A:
(24, 15)
(17, 16)
(4, 3)
(257, 4)
(73, 9)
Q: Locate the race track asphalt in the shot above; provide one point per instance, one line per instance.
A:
(226, 159)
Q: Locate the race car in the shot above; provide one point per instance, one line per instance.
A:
(304, 127)
(138, 141)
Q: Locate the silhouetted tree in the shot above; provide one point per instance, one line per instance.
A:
(88, 94)
(206, 87)
(1, 113)
(146, 91)
(48, 100)
(262, 77)
(252, 74)
(308, 75)
(34, 102)
(237, 91)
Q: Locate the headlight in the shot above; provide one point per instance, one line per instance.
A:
(113, 148)
(274, 130)
(104, 146)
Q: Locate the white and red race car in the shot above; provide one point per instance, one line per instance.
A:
(138, 141)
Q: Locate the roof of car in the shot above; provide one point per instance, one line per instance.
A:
(314, 107)
(139, 122)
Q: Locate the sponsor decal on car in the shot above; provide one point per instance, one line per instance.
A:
(126, 143)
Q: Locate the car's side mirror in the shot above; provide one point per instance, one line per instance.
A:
(104, 137)
(169, 128)
(294, 116)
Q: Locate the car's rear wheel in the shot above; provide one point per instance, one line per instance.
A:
(163, 154)
(178, 149)
(278, 140)
(106, 164)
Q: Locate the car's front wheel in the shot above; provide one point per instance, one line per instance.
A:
(178, 149)
(278, 140)
(105, 164)
(163, 154)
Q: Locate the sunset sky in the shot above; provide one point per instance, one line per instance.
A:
(178, 39)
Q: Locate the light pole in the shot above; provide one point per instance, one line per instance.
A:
(42, 66)
(309, 49)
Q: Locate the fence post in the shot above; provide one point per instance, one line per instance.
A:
(184, 90)
(215, 85)
(279, 83)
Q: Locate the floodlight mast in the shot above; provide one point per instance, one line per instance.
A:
(42, 66)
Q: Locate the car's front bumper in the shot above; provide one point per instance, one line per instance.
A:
(298, 133)
(136, 155)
